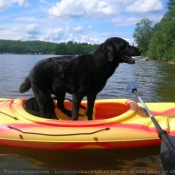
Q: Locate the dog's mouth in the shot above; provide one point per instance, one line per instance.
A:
(127, 59)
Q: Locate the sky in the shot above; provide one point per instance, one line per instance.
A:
(81, 21)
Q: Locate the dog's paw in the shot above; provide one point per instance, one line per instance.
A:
(54, 117)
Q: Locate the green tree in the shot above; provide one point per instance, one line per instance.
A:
(73, 48)
(171, 5)
(26, 47)
(41, 47)
(142, 34)
(162, 43)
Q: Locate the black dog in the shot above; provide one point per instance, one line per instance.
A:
(83, 75)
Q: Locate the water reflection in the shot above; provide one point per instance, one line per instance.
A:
(125, 161)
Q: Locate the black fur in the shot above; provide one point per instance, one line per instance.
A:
(83, 75)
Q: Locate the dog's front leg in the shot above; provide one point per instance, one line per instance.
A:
(90, 105)
(60, 103)
(75, 106)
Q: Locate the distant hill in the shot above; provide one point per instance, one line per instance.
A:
(73, 48)
(27, 47)
(42, 47)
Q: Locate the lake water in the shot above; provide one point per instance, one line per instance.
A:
(156, 81)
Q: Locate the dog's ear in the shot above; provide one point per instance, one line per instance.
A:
(110, 53)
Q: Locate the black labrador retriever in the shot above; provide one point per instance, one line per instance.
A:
(83, 75)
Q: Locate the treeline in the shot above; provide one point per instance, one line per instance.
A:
(27, 47)
(73, 48)
(158, 41)
(41, 47)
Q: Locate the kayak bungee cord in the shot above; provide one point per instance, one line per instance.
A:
(25, 132)
(8, 115)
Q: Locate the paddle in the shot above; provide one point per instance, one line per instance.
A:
(167, 146)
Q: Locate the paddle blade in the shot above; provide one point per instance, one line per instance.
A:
(131, 86)
(168, 162)
(164, 147)
(168, 159)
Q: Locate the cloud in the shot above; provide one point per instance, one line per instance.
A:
(78, 29)
(67, 33)
(53, 34)
(2, 27)
(130, 21)
(145, 6)
(29, 19)
(22, 3)
(33, 29)
(4, 4)
(93, 40)
(125, 21)
(16, 29)
(79, 21)
(81, 39)
(81, 8)
(101, 8)
(69, 8)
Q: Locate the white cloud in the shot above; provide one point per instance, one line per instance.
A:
(93, 40)
(16, 29)
(79, 21)
(69, 8)
(4, 4)
(76, 34)
(53, 34)
(22, 2)
(156, 18)
(81, 8)
(29, 19)
(145, 6)
(78, 29)
(58, 30)
(81, 39)
(33, 29)
(101, 8)
(125, 21)
(2, 27)
(104, 8)
(129, 21)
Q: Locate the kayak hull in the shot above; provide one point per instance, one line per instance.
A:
(117, 123)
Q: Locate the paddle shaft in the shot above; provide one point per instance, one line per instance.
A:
(162, 134)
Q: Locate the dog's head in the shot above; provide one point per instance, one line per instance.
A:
(118, 48)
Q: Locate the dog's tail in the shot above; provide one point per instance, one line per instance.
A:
(25, 86)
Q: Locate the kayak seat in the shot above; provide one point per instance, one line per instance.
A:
(31, 106)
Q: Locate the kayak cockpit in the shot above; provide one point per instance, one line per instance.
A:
(105, 112)
(101, 110)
